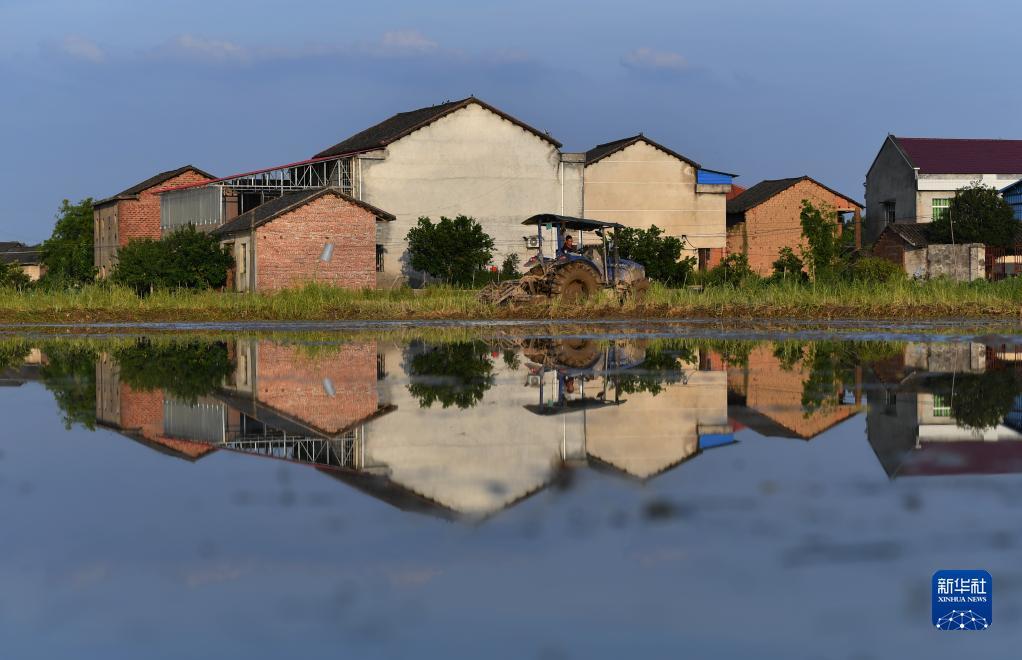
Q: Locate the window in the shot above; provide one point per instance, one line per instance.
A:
(379, 258)
(347, 183)
(888, 211)
(939, 208)
(243, 261)
(941, 406)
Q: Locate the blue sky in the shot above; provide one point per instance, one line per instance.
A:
(101, 94)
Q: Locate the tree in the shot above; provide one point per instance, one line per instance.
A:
(980, 401)
(977, 214)
(821, 230)
(185, 259)
(509, 267)
(67, 253)
(69, 373)
(788, 266)
(185, 369)
(12, 277)
(455, 374)
(659, 254)
(453, 251)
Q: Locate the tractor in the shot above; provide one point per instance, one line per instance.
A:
(572, 272)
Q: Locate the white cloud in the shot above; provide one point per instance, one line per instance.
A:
(81, 48)
(649, 59)
(407, 41)
(208, 50)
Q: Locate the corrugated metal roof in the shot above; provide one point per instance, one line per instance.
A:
(962, 156)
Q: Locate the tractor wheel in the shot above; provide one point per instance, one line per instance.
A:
(575, 281)
(638, 290)
(576, 353)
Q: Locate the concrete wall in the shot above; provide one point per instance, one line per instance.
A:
(641, 186)
(776, 223)
(963, 263)
(470, 162)
(890, 178)
(288, 249)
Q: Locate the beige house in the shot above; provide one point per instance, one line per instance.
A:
(640, 183)
(458, 158)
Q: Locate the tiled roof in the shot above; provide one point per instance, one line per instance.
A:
(912, 233)
(962, 156)
(130, 193)
(764, 190)
(601, 151)
(404, 123)
(14, 252)
(263, 213)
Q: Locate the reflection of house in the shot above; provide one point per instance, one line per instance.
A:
(675, 425)
(161, 422)
(909, 421)
(769, 399)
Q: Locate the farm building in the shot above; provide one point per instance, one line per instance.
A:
(907, 244)
(766, 217)
(912, 180)
(640, 183)
(460, 157)
(134, 213)
(26, 257)
(316, 235)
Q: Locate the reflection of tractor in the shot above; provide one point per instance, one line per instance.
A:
(570, 363)
(572, 272)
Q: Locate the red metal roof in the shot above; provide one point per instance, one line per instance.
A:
(962, 156)
(736, 190)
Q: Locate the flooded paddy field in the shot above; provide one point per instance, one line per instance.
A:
(380, 490)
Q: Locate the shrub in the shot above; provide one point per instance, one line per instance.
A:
(12, 277)
(659, 254)
(876, 270)
(788, 266)
(454, 251)
(185, 259)
(732, 271)
(822, 232)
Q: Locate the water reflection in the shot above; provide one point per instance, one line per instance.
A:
(467, 429)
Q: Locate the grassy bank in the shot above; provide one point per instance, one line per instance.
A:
(899, 300)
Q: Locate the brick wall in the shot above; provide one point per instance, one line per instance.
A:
(141, 218)
(288, 248)
(775, 224)
(328, 391)
(142, 411)
(891, 247)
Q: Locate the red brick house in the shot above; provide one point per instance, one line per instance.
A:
(134, 213)
(319, 235)
(905, 244)
(765, 218)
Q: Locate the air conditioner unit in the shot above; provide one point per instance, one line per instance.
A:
(532, 242)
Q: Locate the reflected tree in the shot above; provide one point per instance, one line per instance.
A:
(455, 374)
(69, 373)
(981, 401)
(185, 369)
(661, 367)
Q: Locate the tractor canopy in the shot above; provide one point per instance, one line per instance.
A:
(568, 222)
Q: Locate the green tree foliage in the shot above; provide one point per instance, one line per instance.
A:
(453, 251)
(659, 254)
(822, 254)
(13, 353)
(185, 259)
(732, 271)
(509, 267)
(663, 365)
(981, 401)
(455, 374)
(67, 253)
(788, 266)
(185, 369)
(788, 353)
(12, 277)
(69, 373)
(978, 214)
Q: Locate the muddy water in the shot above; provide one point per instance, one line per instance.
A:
(724, 494)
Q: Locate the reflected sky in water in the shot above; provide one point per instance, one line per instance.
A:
(562, 497)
